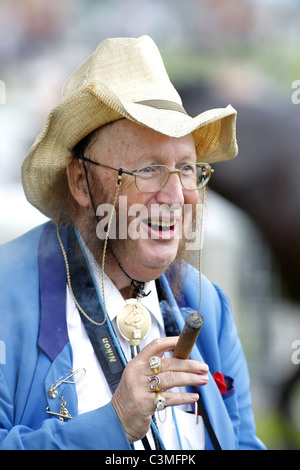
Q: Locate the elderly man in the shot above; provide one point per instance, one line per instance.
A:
(92, 303)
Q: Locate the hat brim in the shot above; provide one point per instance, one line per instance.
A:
(87, 109)
(214, 130)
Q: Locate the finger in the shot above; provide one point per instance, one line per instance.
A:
(178, 398)
(161, 345)
(184, 365)
(158, 346)
(170, 379)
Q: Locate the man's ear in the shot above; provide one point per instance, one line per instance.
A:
(77, 182)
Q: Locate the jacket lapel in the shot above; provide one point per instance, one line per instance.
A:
(60, 384)
(53, 335)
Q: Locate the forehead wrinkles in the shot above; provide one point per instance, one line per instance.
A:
(128, 145)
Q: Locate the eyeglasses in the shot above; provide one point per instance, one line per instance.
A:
(152, 178)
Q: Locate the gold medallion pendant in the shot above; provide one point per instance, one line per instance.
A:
(134, 322)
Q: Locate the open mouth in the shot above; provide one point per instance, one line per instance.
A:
(161, 225)
(159, 229)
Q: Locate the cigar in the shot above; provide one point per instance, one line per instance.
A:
(188, 336)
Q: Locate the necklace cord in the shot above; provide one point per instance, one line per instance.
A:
(70, 284)
(137, 286)
(118, 184)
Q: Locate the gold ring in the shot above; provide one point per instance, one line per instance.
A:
(156, 386)
(159, 402)
(155, 364)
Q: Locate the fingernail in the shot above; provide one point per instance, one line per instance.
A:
(204, 378)
(203, 367)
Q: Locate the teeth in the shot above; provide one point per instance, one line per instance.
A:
(164, 224)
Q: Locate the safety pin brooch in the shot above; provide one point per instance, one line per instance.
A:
(53, 393)
(63, 412)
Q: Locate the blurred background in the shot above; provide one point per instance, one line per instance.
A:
(243, 52)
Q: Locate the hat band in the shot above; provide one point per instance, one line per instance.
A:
(163, 104)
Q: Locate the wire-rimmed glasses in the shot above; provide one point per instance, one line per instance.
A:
(152, 178)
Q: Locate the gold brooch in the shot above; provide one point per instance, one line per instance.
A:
(134, 322)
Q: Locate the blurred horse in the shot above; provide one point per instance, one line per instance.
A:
(264, 180)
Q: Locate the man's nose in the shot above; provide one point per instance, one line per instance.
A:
(172, 191)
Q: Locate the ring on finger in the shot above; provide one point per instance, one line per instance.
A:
(154, 386)
(155, 364)
(159, 402)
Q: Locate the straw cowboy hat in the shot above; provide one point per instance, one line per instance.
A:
(123, 78)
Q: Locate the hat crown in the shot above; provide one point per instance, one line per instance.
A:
(132, 68)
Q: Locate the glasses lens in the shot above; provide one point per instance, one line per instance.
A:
(151, 178)
(195, 176)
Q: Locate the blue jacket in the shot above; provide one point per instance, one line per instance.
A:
(36, 351)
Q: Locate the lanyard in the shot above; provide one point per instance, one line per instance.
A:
(110, 356)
